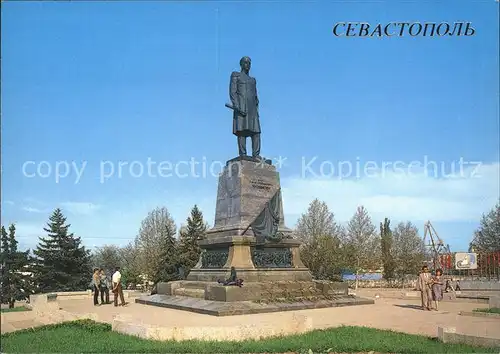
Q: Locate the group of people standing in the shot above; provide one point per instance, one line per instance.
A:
(431, 288)
(100, 284)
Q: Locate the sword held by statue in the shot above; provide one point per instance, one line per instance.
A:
(230, 106)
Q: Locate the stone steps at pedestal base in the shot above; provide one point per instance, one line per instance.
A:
(194, 284)
(221, 308)
(198, 293)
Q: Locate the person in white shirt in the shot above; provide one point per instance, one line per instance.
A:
(117, 287)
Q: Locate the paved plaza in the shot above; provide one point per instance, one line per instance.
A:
(401, 315)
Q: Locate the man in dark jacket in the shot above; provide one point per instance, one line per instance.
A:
(104, 286)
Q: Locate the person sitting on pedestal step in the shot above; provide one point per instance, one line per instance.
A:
(233, 279)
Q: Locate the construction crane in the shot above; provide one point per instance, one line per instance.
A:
(436, 245)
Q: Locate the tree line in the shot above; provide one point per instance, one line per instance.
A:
(60, 262)
(160, 252)
(330, 249)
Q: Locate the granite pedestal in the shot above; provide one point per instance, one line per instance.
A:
(245, 186)
(272, 271)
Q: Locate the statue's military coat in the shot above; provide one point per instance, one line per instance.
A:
(243, 94)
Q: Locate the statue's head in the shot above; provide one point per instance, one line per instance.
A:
(245, 64)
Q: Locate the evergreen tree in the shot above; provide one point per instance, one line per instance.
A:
(189, 251)
(4, 258)
(15, 280)
(4, 243)
(62, 263)
(386, 242)
(169, 258)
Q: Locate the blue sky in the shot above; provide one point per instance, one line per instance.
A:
(96, 83)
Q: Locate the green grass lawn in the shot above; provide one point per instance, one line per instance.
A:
(492, 310)
(87, 336)
(16, 309)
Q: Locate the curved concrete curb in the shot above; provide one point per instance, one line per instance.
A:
(78, 295)
(298, 324)
(494, 301)
(63, 316)
(480, 314)
(450, 335)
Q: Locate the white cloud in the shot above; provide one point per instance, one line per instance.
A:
(30, 230)
(32, 205)
(76, 208)
(33, 210)
(7, 202)
(417, 196)
(33, 201)
(28, 233)
(80, 208)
